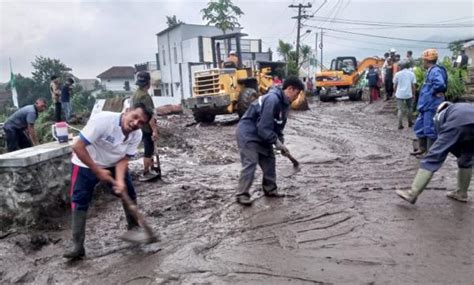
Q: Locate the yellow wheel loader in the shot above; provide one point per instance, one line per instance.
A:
(229, 87)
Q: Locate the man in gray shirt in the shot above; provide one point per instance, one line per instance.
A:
(21, 121)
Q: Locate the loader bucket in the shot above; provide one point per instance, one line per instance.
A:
(300, 104)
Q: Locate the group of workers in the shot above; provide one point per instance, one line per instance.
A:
(103, 149)
(61, 97)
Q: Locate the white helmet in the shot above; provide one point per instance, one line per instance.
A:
(392, 50)
(232, 52)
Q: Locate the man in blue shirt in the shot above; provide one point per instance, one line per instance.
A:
(431, 95)
(66, 92)
(20, 127)
(259, 129)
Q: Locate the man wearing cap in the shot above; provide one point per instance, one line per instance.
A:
(20, 126)
(149, 130)
(430, 96)
(455, 127)
(259, 129)
(404, 86)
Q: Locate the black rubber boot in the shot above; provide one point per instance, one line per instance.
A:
(78, 235)
(131, 221)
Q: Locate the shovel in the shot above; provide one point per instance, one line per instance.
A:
(296, 164)
(144, 236)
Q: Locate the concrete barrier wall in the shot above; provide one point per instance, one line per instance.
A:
(34, 184)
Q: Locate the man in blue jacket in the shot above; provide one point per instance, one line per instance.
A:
(431, 95)
(259, 129)
(455, 126)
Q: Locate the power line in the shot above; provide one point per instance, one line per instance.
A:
(381, 37)
(378, 44)
(391, 24)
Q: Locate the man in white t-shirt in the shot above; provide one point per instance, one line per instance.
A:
(404, 85)
(101, 154)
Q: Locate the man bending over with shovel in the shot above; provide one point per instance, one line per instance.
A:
(259, 129)
(101, 154)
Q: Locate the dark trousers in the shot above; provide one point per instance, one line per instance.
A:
(83, 181)
(16, 139)
(389, 87)
(458, 141)
(57, 112)
(250, 157)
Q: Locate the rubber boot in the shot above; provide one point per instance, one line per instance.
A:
(422, 179)
(422, 144)
(131, 221)
(78, 235)
(464, 179)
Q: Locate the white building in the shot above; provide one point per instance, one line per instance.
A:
(185, 48)
(117, 78)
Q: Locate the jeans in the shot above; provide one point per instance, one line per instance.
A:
(67, 110)
(57, 111)
(406, 104)
(250, 158)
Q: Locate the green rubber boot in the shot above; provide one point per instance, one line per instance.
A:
(419, 184)
(78, 235)
(464, 179)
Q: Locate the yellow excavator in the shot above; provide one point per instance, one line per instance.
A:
(230, 87)
(342, 78)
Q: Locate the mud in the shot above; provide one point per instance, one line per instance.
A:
(340, 223)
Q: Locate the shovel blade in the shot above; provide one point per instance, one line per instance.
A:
(138, 237)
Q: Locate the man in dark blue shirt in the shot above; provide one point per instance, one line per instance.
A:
(373, 78)
(66, 91)
(260, 128)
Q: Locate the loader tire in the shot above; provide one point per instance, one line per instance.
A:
(246, 97)
(203, 117)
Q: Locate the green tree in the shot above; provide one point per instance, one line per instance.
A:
(289, 55)
(173, 21)
(223, 14)
(45, 67)
(284, 49)
(26, 88)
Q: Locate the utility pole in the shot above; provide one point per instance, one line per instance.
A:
(321, 47)
(299, 17)
(316, 52)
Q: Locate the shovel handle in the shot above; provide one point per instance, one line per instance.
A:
(134, 211)
(291, 158)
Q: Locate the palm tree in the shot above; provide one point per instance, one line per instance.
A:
(223, 14)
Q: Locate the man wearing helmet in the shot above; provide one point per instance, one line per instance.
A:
(232, 60)
(430, 96)
(455, 127)
(149, 130)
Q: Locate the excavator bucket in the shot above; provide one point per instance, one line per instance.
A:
(300, 104)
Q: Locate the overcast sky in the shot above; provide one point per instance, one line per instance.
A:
(92, 36)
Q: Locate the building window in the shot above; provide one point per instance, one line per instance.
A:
(175, 51)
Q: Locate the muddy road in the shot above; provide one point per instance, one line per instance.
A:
(341, 222)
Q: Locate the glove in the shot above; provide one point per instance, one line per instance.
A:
(281, 147)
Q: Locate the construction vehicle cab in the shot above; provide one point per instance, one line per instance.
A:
(226, 88)
(342, 78)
